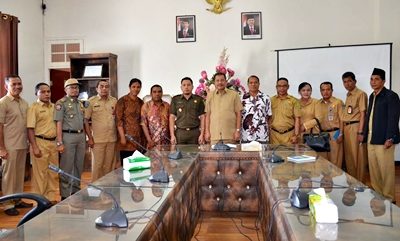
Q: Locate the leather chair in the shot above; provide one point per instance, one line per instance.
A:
(42, 204)
(229, 185)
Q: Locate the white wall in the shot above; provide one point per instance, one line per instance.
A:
(142, 34)
(30, 42)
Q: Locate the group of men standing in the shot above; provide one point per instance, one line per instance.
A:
(64, 127)
(352, 127)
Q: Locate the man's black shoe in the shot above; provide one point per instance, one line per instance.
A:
(23, 204)
(11, 212)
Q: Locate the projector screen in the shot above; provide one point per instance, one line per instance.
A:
(319, 64)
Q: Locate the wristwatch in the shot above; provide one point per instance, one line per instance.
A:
(59, 143)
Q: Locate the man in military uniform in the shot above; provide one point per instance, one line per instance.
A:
(355, 151)
(42, 134)
(71, 139)
(285, 124)
(101, 111)
(187, 115)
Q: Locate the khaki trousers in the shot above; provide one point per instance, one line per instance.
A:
(104, 159)
(45, 181)
(355, 154)
(280, 139)
(336, 154)
(381, 169)
(13, 174)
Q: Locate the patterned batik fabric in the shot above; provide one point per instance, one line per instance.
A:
(255, 113)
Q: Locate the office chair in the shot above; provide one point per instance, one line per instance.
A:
(42, 204)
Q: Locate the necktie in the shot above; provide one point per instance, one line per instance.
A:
(252, 30)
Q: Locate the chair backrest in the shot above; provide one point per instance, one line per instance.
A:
(42, 204)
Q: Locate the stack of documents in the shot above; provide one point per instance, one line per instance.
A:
(301, 158)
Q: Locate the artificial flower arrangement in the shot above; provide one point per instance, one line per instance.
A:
(206, 85)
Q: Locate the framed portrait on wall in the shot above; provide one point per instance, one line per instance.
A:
(251, 25)
(185, 28)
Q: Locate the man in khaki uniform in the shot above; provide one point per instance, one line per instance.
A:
(71, 138)
(13, 142)
(328, 111)
(355, 151)
(101, 111)
(285, 122)
(42, 134)
(187, 115)
(223, 113)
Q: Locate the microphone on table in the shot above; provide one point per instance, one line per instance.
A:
(175, 155)
(275, 158)
(114, 217)
(220, 146)
(299, 198)
(160, 176)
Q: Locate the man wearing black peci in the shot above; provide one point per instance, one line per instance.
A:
(381, 131)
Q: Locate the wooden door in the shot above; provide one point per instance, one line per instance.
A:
(57, 78)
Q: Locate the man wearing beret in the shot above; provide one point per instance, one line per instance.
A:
(71, 138)
(381, 131)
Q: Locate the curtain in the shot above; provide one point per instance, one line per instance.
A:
(8, 48)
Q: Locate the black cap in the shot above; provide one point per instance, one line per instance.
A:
(379, 72)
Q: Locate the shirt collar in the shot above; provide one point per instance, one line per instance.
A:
(328, 101)
(224, 92)
(42, 103)
(12, 98)
(353, 91)
(183, 97)
(99, 97)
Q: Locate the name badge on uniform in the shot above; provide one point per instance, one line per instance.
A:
(349, 109)
(330, 113)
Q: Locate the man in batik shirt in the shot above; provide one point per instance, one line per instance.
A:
(256, 113)
(155, 118)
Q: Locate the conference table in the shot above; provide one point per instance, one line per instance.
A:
(226, 183)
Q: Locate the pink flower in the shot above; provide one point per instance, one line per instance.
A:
(202, 81)
(220, 69)
(204, 74)
(230, 72)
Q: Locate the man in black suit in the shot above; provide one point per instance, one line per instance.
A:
(251, 28)
(382, 133)
(185, 31)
